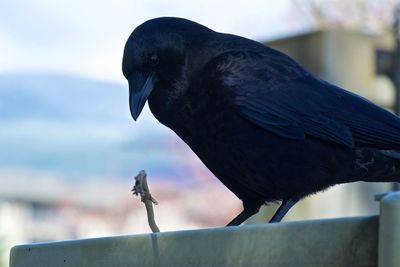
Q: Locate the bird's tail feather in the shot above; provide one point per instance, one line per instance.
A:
(372, 165)
(391, 153)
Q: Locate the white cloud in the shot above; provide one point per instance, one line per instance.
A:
(87, 37)
(8, 48)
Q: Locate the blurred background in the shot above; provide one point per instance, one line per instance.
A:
(69, 149)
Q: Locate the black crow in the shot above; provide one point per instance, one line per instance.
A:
(266, 127)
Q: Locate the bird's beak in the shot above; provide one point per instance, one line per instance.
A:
(140, 87)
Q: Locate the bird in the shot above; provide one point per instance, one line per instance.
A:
(267, 128)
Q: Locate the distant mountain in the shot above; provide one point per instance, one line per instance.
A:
(79, 128)
(61, 97)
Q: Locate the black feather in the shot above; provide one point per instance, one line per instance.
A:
(265, 126)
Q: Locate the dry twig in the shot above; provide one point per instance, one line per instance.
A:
(141, 188)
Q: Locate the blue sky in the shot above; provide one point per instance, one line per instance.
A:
(87, 37)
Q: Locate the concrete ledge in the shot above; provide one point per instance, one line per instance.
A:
(336, 242)
(389, 230)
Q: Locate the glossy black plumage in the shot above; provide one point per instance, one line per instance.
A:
(265, 126)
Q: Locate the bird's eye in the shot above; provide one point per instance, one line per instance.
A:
(154, 60)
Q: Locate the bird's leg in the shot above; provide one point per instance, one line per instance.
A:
(282, 210)
(248, 211)
(238, 220)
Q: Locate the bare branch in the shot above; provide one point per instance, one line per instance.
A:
(141, 188)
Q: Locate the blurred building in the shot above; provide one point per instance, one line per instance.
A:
(345, 58)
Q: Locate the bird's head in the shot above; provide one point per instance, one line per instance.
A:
(157, 60)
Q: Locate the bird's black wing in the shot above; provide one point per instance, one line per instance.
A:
(274, 92)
